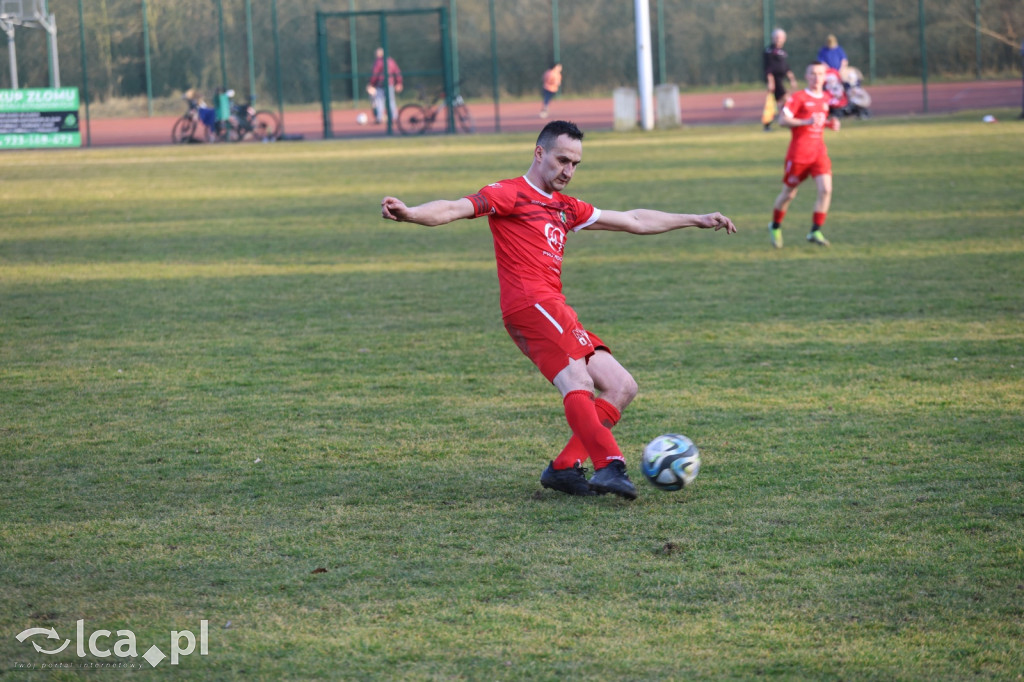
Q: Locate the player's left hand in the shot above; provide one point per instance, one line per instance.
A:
(833, 123)
(717, 221)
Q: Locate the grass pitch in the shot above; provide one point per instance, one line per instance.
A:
(230, 392)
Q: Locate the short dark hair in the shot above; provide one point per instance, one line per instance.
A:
(553, 130)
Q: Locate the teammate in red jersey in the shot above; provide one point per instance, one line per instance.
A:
(806, 114)
(530, 220)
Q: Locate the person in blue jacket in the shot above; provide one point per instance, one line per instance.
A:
(833, 55)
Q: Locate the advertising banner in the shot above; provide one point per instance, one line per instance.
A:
(39, 118)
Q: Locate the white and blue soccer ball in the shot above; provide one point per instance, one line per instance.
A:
(670, 462)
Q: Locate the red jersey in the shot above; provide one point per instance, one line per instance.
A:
(529, 228)
(808, 142)
(377, 75)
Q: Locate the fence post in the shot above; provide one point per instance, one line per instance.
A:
(277, 61)
(1022, 79)
(871, 41)
(145, 49)
(325, 76)
(556, 49)
(353, 56)
(446, 69)
(494, 67)
(223, 57)
(977, 39)
(766, 17)
(85, 73)
(250, 49)
(924, 55)
(454, 29)
(662, 75)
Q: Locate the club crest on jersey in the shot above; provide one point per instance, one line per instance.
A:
(555, 237)
(561, 214)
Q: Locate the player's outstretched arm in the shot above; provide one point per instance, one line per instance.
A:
(440, 212)
(648, 221)
(815, 119)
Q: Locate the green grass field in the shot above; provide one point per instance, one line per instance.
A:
(230, 392)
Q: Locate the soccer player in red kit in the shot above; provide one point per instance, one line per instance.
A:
(806, 114)
(530, 220)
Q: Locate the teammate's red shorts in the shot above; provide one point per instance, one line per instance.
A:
(796, 173)
(550, 334)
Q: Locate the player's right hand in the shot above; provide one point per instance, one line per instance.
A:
(392, 208)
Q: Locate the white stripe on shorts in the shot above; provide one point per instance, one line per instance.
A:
(552, 320)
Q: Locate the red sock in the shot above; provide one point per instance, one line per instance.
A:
(819, 218)
(777, 216)
(574, 451)
(597, 439)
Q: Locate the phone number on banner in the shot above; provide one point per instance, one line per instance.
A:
(28, 140)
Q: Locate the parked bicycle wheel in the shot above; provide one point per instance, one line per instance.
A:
(463, 117)
(184, 130)
(412, 119)
(265, 127)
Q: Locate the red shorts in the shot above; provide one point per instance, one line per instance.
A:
(550, 334)
(796, 173)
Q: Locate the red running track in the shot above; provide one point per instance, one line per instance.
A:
(597, 114)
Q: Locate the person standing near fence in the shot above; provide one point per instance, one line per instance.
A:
(806, 114)
(376, 88)
(833, 55)
(549, 88)
(776, 69)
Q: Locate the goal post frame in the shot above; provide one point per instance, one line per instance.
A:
(327, 77)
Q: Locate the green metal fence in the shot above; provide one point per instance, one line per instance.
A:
(159, 48)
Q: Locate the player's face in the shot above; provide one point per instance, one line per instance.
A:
(558, 164)
(815, 77)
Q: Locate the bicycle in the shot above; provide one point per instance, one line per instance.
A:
(184, 129)
(246, 123)
(417, 118)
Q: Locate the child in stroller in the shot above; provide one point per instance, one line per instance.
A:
(848, 96)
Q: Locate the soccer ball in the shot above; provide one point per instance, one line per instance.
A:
(362, 119)
(728, 103)
(670, 462)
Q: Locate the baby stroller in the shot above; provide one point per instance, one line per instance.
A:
(848, 96)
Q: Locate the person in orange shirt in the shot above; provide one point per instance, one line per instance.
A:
(552, 81)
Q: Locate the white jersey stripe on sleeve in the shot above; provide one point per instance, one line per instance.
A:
(594, 217)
